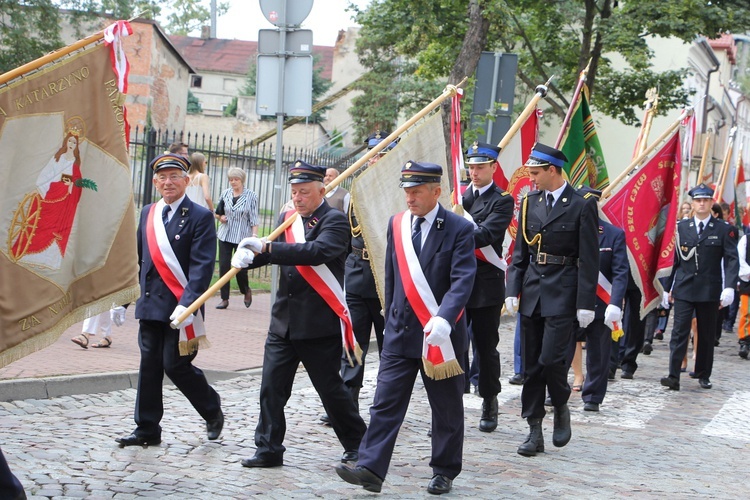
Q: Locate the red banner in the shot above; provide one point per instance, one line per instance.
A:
(646, 208)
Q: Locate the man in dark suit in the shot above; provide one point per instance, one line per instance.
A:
(429, 274)
(554, 270)
(177, 252)
(306, 318)
(492, 210)
(613, 281)
(10, 487)
(704, 244)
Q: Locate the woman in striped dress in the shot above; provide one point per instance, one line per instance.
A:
(237, 213)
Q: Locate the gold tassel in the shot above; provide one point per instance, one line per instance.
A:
(442, 371)
(188, 347)
(358, 353)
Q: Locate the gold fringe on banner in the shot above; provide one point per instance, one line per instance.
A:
(188, 347)
(48, 338)
(442, 371)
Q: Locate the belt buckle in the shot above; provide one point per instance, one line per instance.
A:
(541, 258)
(365, 254)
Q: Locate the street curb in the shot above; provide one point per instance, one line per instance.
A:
(71, 385)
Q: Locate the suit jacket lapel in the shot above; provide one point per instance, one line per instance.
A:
(560, 207)
(179, 221)
(434, 238)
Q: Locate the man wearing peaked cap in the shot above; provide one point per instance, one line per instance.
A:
(491, 210)
(554, 271)
(178, 227)
(425, 331)
(306, 318)
(361, 292)
(704, 248)
(614, 270)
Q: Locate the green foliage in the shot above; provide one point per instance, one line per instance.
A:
(18, 19)
(86, 184)
(194, 105)
(231, 109)
(551, 38)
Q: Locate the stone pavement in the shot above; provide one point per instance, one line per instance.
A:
(647, 442)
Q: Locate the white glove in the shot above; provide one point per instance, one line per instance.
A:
(612, 314)
(176, 313)
(439, 331)
(727, 297)
(243, 257)
(117, 315)
(585, 317)
(511, 305)
(665, 300)
(253, 243)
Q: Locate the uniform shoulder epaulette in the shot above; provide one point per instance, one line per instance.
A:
(587, 196)
(504, 193)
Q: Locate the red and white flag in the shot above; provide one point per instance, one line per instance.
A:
(513, 177)
(645, 207)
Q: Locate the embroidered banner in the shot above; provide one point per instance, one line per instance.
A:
(646, 208)
(67, 220)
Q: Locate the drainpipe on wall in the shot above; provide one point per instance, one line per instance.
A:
(702, 43)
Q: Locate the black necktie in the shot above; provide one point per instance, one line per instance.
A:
(416, 234)
(476, 194)
(700, 228)
(165, 214)
(550, 202)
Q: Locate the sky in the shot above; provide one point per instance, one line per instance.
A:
(326, 18)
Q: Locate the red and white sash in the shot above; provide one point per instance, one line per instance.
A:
(487, 253)
(604, 292)
(168, 267)
(439, 361)
(322, 280)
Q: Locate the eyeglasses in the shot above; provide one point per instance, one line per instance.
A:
(173, 177)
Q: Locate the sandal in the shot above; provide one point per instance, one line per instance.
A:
(81, 340)
(104, 342)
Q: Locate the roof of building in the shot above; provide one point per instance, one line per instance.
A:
(725, 42)
(234, 56)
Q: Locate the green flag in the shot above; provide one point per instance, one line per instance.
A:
(585, 165)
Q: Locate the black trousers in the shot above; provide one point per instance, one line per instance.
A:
(635, 330)
(598, 345)
(365, 314)
(159, 355)
(396, 377)
(226, 250)
(705, 315)
(321, 358)
(484, 322)
(10, 486)
(545, 343)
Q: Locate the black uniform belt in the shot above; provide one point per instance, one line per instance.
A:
(362, 253)
(545, 258)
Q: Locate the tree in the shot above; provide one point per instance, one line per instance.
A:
(31, 28)
(444, 40)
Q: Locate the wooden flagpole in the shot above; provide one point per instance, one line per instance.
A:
(652, 101)
(704, 156)
(573, 103)
(724, 173)
(541, 92)
(637, 161)
(450, 91)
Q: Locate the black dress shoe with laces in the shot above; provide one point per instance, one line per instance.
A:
(705, 383)
(561, 428)
(138, 440)
(626, 375)
(516, 379)
(361, 476)
(590, 406)
(350, 456)
(214, 426)
(262, 462)
(693, 375)
(671, 382)
(439, 484)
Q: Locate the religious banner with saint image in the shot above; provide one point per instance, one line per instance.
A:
(67, 219)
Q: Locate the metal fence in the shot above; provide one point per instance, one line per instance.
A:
(222, 153)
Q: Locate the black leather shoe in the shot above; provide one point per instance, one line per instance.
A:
(325, 419)
(488, 421)
(693, 375)
(705, 383)
(223, 304)
(535, 441)
(671, 382)
(261, 462)
(561, 432)
(136, 440)
(361, 476)
(548, 401)
(516, 379)
(626, 375)
(350, 456)
(611, 374)
(647, 348)
(248, 298)
(659, 335)
(439, 484)
(214, 426)
(591, 406)
(744, 348)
